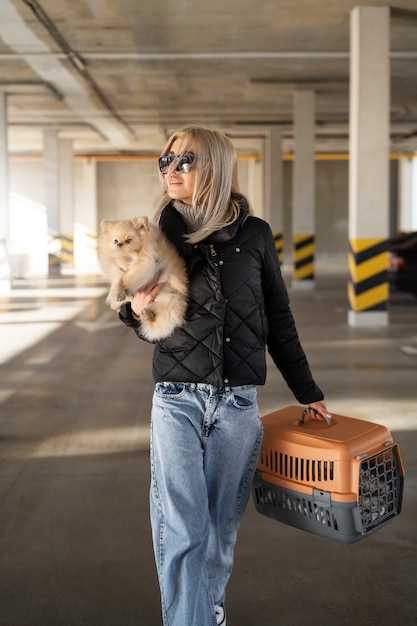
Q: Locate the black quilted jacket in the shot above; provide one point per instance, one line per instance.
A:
(238, 306)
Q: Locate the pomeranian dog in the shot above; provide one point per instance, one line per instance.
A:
(132, 253)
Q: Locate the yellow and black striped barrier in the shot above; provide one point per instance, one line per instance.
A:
(279, 245)
(54, 252)
(304, 249)
(67, 248)
(368, 275)
(60, 250)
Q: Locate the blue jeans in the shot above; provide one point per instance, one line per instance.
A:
(205, 443)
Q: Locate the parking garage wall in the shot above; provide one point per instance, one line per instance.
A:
(129, 188)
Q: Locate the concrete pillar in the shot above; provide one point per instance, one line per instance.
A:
(369, 166)
(274, 189)
(52, 197)
(4, 198)
(66, 202)
(86, 219)
(251, 179)
(58, 180)
(304, 190)
(407, 192)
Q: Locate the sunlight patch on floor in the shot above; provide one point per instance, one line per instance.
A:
(91, 442)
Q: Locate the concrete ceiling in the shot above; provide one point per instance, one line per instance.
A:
(117, 75)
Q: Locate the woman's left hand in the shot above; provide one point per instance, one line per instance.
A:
(318, 410)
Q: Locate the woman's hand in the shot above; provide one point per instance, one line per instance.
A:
(144, 298)
(318, 411)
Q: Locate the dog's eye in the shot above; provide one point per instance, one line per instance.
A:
(128, 241)
(115, 242)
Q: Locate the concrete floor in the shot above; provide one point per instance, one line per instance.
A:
(75, 546)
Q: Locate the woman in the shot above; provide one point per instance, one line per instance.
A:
(205, 429)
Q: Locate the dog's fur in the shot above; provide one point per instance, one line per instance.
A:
(131, 253)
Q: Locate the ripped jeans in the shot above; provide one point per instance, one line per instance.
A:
(205, 443)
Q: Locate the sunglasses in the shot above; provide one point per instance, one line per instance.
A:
(183, 162)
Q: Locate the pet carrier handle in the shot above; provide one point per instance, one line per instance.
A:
(303, 418)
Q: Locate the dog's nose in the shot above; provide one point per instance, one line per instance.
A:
(120, 245)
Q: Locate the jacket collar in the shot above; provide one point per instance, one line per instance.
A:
(227, 232)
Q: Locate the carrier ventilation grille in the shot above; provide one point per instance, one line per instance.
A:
(303, 505)
(296, 468)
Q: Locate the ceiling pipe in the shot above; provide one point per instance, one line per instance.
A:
(237, 56)
(76, 61)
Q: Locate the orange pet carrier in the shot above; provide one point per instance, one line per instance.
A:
(342, 480)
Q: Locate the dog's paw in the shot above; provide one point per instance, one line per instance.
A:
(116, 305)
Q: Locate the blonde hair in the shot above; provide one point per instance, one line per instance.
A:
(216, 183)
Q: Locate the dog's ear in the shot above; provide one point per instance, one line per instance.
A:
(106, 225)
(141, 223)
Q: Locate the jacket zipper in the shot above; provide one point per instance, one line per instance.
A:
(212, 250)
